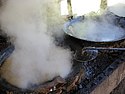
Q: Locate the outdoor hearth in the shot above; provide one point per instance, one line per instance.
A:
(86, 77)
(99, 69)
(61, 46)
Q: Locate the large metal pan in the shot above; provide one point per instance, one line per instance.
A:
(117, 9)
(68, 30)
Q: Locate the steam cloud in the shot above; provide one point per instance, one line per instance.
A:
(31, 24)
(36, 58)
(100, 26)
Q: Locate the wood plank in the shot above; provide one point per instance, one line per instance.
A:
(111, 82)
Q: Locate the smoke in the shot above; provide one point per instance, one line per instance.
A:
(36, 58)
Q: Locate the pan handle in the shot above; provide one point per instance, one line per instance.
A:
(103, 48)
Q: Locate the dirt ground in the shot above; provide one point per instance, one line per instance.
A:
(120, 89)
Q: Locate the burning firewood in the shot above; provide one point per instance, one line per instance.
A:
(50, 86)
(75, 81)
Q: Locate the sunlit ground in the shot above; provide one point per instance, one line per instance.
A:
(64, 9)
(113, 2)
(81, 7)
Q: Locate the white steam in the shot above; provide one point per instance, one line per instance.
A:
(97, 30)
(36, 58)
